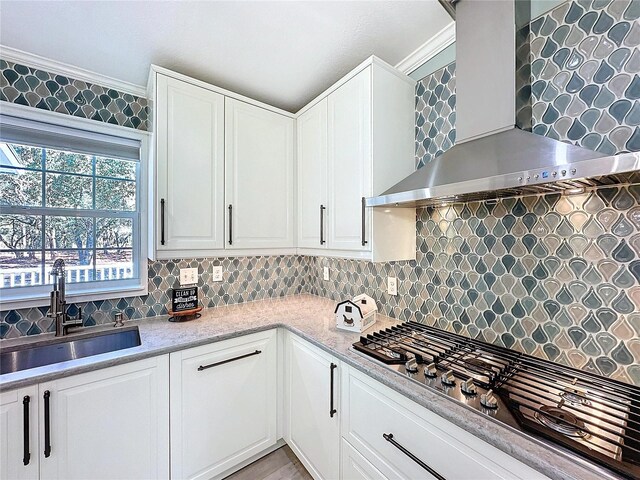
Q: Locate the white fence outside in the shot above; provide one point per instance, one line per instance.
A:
(24, 277)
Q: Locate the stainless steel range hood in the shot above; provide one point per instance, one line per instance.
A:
(493, 156)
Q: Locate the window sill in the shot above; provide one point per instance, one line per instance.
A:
(14, 299)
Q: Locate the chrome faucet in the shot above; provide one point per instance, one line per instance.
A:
(58, 306)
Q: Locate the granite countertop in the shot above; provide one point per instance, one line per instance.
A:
(311, 318)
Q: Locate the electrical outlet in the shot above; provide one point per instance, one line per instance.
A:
(325, 273)
(188, 276)
(392, 286)
(217, 273)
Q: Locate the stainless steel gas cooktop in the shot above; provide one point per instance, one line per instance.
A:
(592, 416)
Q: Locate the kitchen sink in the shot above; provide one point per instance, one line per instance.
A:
(23, 357)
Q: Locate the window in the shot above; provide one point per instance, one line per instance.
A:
(70, 194)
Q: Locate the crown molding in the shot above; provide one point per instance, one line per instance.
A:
(36, 61)
(428, 49)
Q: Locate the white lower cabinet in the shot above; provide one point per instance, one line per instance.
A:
(19, 434)
(229, 403)
(380, 423)
(107, 424)
(223, 404)
(312, 410)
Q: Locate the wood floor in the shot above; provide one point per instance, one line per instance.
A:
(281, 464)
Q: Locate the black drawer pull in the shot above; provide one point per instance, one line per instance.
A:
(230, 224)
(201, 367)
(47, 425)
(364, 234)
(26, 454)
(162, 221)
(389, 438)
(332, 411)
(322, 209)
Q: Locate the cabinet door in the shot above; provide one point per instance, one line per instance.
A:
(258, 177)
(313, 428)
(190, 165)
(349, 160)
(108, 424)
(19, 434)
(223, 405)
(356, 467)
(312, 177)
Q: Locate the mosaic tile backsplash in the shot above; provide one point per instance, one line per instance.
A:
(435, 114)
(554, 276)
(584, 69)
(244, 279)
(48, 91)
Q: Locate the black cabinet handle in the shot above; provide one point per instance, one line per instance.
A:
(230, 224)
(162, 221)
(200, 368)
(26, 454)
(47, 424)
(322, 209)
(363, 204)
(389, 438)
(332, 410)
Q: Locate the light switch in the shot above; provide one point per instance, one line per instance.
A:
(188, 276)
(217, 273)
(325, 273)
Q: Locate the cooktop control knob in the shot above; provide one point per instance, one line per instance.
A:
(448, 378)
(411, 366)
(430, 371)
(488, 400)
(469, 387)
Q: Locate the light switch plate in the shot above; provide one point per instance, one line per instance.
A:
(392, 286)
(325, 273)
(217, 273)
(188, 276)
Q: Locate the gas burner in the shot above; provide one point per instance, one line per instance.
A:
(562, 421)
(575, 395)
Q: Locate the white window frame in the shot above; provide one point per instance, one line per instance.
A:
(38, 296)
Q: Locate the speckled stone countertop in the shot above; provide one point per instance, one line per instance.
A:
(311, 318)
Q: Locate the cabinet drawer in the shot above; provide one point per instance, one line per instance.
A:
(418, 442)
(355, 466)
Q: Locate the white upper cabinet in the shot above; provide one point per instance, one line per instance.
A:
(212, 149)
(224, 170)
(349, 162)
(312, 176)
(190, 166)
(369, 135)
(259, 177)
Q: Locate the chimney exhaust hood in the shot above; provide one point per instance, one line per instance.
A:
(494, 155)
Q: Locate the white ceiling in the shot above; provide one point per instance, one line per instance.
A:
(282, 53)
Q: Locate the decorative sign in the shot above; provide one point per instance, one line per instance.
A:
(184, 299)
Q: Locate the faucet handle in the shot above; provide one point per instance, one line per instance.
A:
(119, 319)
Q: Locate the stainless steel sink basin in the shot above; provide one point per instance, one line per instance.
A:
(23, 357)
